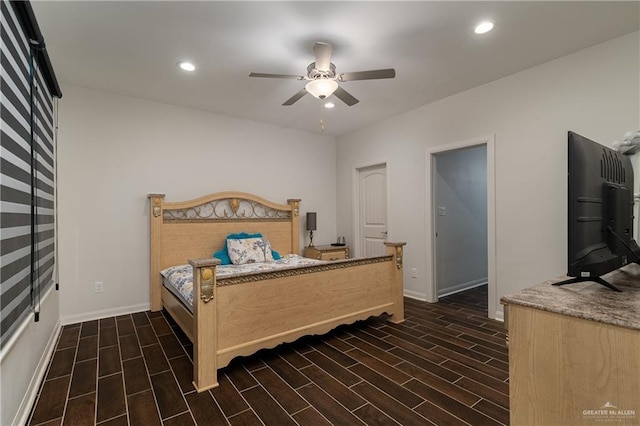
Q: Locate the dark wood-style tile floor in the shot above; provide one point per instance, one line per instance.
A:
(445, 365)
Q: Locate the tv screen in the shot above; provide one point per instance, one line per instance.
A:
(600, 211)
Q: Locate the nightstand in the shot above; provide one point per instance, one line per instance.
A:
(327, 252)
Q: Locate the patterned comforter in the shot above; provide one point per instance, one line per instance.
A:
(179, 279)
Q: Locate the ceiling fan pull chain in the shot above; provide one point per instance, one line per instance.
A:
(321, 117)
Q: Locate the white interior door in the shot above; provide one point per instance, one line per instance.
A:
(373, 210)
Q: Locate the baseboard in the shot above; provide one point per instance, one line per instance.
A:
(499, 316)
(415, 295)
(104, 313)
(463, 286)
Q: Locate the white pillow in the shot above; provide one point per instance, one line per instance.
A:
(249, 250)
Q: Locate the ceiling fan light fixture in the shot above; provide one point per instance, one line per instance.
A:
(321, 88)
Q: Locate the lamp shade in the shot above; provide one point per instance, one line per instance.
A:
(322, 87)
(311, 221)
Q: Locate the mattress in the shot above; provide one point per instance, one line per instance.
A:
(179, 279)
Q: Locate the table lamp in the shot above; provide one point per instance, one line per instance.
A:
(311, 226)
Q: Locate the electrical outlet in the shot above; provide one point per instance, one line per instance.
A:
(99, 286)
(414, 273)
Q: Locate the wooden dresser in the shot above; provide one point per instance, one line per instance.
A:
(327, 252)
(574, 352)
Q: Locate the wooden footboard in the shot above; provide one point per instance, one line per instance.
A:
(242, 318)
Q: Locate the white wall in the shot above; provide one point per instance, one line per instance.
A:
(593, 92)
(114, 150)
(461, 189)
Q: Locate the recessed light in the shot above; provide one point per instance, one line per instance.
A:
(483, 27)
(329, 105)
(187, 66)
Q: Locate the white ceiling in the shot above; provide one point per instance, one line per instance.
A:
(132, 48)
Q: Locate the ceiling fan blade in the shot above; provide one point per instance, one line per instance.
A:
(345, 96)
(323, 56)
(292, 100)
(260, 74)
(368, 75)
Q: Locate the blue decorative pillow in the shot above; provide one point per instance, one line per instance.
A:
(223, 254)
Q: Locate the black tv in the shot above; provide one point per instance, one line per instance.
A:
(600, 211)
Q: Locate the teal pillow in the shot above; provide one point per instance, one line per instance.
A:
(223, 255)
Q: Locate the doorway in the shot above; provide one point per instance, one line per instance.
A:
(460, 204)
(435, 217)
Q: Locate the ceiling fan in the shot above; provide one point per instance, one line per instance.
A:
(323, 81)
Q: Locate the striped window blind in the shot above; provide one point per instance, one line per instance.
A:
(27, 168)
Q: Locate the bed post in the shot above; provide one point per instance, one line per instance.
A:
(295, 224)
(396, 250)
(155, 213)
(205, 333)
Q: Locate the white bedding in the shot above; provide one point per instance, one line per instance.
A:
(179, 279)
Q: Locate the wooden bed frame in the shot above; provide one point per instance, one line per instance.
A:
(239, 316)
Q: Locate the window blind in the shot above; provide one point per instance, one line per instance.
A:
(27, 167)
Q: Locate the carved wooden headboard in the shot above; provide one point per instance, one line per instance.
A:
(197, 228)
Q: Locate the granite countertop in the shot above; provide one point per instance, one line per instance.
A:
(588, 300)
